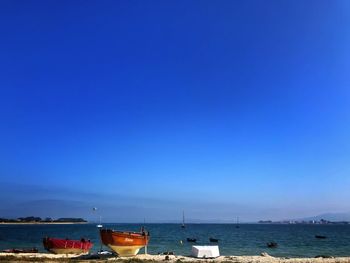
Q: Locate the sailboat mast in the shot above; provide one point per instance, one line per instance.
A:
(183, 219)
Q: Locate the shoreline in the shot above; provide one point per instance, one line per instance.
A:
(263, 258)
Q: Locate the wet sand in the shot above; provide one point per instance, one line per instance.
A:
(265, 258)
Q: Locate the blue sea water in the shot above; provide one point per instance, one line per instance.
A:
(248, 239)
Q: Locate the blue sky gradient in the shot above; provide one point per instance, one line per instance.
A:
(224, 109)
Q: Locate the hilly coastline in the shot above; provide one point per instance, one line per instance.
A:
(39, 220)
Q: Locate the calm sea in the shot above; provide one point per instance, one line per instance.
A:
(248, 239)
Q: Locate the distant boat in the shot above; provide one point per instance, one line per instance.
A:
(67, 246)
(320, 237)
(191, 240)
(272, 245)
(183, 219)
(237, 225)
(124, 243)
(214, 240)
(100, 223)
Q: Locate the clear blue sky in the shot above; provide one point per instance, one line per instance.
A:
(146, 108)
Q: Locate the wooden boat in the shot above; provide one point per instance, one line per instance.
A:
(124, 243)
(67, 246)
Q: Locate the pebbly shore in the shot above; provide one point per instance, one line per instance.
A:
(264, 258)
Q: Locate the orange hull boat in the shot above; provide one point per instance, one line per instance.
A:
(125, 244)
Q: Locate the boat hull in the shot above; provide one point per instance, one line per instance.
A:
(126, 251)
(67, 246)
(68, 251)
(125, 244)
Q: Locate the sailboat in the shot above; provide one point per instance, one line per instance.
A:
(183, 220)
(237, 225)
(100, 224)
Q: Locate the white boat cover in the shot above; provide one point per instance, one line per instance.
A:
(205, 251)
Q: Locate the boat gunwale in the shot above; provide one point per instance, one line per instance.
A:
(120, 232)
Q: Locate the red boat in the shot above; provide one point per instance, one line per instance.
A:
(67, 246)
(125, 243)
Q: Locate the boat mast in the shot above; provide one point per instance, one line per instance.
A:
(144, 223)
(99, 226)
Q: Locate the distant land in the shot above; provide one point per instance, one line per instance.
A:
(335, 217)
(311, 222)
(326, 218)
(39, 220)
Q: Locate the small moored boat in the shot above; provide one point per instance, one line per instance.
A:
(272, 245)
(213, 240)
(183, 220)
(191, 239)
(124, 243)
(67, 246)
(320, 237)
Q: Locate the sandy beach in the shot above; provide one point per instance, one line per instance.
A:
(264, 258)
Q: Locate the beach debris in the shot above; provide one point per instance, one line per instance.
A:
(324, 256)
(168, 253)
(264, 254)
(205, 251)
(104, 254)
(166, 257)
